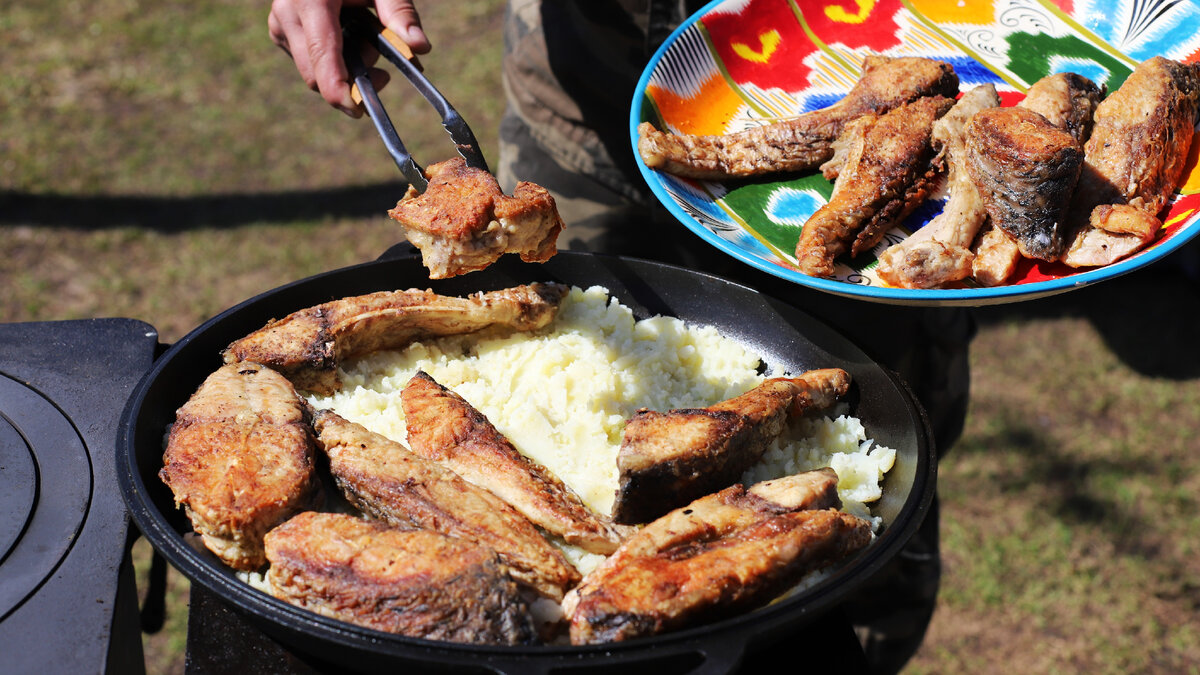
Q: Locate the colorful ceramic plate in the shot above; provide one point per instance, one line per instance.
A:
(741, 63)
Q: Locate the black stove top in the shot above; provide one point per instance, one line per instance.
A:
(67, 597)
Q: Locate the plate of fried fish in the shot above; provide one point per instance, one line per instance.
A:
(913, 152)
(261, 456)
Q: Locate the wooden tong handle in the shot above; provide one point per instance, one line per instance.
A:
(400, 46)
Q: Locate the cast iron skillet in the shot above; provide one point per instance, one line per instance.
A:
(782, 334)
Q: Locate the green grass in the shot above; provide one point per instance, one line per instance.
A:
(163, 161)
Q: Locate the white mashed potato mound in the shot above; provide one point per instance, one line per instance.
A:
(562, 396)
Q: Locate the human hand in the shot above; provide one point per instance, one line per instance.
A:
(310, 32)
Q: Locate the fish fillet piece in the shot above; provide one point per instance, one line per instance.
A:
(387, 482)
(883, 174)
(1025, 169)
(1135, 157)
(413, 582)
(939, 252)
(668, 459)
(802, 142)
(240, 460)
(995, 257)
(445, 428)
(1067, 101)
(463, 222)
(308, 345)
(720, 555)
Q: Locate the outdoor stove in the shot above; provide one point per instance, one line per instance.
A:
(68, 600)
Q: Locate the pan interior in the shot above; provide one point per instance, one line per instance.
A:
(783, 335)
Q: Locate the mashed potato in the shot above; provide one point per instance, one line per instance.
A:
(562, 396)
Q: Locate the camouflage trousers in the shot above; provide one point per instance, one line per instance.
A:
(570, 70)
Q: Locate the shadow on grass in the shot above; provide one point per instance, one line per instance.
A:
(1150, 318)
(1066, 486)
(177, 214)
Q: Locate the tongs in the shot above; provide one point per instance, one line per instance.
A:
(361, 26)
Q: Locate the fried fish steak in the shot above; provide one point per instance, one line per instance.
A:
(804, 141)
(1067, 101)
(443, 427)
(240, 460)
(387, 482)
(463, 222)
(413, 582)
(308, 345)
(939, 252)
(668, 459)
(1135, 157)
(723, 554)
(1026, 169)
(884, 171)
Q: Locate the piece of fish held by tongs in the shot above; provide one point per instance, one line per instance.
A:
(359, 26)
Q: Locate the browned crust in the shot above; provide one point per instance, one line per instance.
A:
(1025, 169)
(463, 222)
(698, 582)
(443, 427)
(307, 346)
(1136, 155)
(240, 459)
(802, 142)
(669, 459)
(412, 582)
(387, 482)
(887, 174)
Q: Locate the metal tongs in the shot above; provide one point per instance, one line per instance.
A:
(361, 26)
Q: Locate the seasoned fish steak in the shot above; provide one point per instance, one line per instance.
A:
(720, 571)
(1135, 157)
(883, 172)
(412, 582)
(668, 459)
(445, 428)
(386, 481)
(463, 222)
(307, 345)
(804, 141)
(1025, 169)
(239, 460)
(939, 252)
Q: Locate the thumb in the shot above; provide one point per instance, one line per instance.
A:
(401, 17)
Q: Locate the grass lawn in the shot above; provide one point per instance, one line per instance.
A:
(163, 161)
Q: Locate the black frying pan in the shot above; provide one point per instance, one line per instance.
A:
(782, 334)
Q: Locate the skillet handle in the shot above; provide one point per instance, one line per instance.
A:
(718, 658)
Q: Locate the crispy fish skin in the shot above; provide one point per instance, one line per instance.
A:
(884, 173)
(463, 222)
(1068, 101)
(733, 557)
(1135, 157)
(445, 428)
(1026, 169)
(308, 345)
(669, 459)
(240, 460)
(939, 252)
(412, 582)
(720, 513)
(386, 481)
(804, 141)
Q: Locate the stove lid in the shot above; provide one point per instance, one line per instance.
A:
(46, 480)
